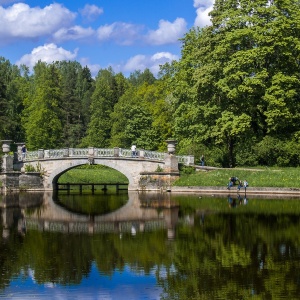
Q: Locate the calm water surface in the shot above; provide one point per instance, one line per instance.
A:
(149, 246)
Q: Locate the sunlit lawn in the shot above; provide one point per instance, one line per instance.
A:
(264, 177)
(92, 174)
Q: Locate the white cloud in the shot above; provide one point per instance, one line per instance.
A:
(48, 53)
(73, 33)
(203, 3)
(203, 9)
(168, 32)
(121, 33)
(91, 12)
(141, 62)
(21, 21)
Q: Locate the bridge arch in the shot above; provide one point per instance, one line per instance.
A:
(63, 169)
(132, 168)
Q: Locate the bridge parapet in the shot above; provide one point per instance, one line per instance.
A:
(102, 152)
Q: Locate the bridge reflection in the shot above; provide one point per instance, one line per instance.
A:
(143, 212)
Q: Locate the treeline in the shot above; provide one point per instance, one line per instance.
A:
(61, 105)
(233, 96)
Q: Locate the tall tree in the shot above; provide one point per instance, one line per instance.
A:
(105, 96)
(243, 75)
(84, 91)
(42, 115)
(142, 117)
(71, 104)
(12, 91)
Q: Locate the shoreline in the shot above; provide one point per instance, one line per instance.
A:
(215, 190)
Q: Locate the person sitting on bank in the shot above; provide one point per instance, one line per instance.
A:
(232, 181)
(239, 185)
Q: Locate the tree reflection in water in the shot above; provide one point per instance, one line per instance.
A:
(157, 246)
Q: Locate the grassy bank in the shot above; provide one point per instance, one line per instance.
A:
(263, 177)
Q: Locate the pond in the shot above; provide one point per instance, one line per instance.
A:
(133, 245)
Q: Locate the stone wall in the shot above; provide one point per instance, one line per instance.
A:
(31, 181)
(15, 181)
(153, 181)
(10, 181)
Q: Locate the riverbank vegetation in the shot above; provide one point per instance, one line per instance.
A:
(258, 177)
(232, 96)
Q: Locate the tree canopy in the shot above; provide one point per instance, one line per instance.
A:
(233, 94)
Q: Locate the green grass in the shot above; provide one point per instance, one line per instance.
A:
(263, 177)
(92, 174)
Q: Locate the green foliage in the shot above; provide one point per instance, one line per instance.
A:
(42, 115)
(159, 169)
(238, 78)
(272, 151)
(184, 170)
(233, 95)
(30, 168)
(37, 168)
(141, 117)
(108, 89)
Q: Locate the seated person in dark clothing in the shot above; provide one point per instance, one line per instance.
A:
(232, 181)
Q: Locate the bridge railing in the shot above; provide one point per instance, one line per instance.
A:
(83, 152)
(30, 155)
(54, 153)
(102, 152)
(154, 155)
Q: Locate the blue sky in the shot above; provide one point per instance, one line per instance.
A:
(127, 35)
(120, 285)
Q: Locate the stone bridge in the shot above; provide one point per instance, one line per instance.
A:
(147, 170)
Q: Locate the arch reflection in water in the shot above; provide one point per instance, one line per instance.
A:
(141, 213)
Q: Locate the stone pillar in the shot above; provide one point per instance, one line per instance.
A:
(171, 163)
(91, 152)
(7, 163)
(116, 152)
(142, 153)
(7, 160)
(91, 155)
(19, 151)
(171, 219)
(191, 160)
(66, 152)
(40, 153)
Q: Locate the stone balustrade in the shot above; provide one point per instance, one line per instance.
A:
(102, 152)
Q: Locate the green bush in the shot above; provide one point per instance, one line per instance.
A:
(186, 169)
(275, 152)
